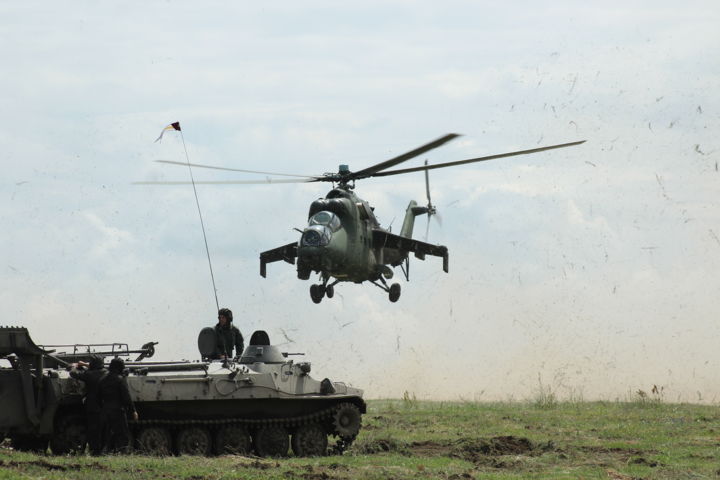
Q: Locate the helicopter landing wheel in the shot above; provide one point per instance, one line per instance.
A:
(316, 293)
(394, 292)
(330, 291)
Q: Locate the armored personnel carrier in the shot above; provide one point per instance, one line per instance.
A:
(261, 402)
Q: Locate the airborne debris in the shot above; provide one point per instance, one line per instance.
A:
(289, 340)
(713, 235)
(662, 187)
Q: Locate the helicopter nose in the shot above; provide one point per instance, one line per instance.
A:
(316, 236)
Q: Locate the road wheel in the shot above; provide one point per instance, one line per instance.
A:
(232, 439)
(154, 441)
(347, 420)
(394, 292)
(310, 441)
(194, 441)
(69, 435)
(271, 441)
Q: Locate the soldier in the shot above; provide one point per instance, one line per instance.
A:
(116, 405)
(93, 411)
(228, 335)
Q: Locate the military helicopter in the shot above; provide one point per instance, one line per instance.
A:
(343, 241)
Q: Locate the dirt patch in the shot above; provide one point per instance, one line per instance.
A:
(474, 450)
(256, 463)
(644, 461)
(381, 445)
(430, 449)
(614, 453)
(310, 473)
(50, 466)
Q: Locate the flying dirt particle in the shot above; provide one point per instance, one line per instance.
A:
(659, 98)
(572, 87)
(590, 163)
(289, 340)
(662, 187)
(650, 126)
(714, 236)
(699, 109)
(572, 122)
(697, 149)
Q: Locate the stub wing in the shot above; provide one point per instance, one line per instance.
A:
(405, 245)
(287, 253)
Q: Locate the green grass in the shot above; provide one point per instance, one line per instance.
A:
(411, 439)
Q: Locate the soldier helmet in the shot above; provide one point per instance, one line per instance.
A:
(117, 365)
(96, 362)
(227, 313)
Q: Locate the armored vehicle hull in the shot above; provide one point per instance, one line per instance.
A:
(261, 403)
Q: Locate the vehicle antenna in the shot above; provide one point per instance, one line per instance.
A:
(202, 224)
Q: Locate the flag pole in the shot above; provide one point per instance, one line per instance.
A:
(202, 224)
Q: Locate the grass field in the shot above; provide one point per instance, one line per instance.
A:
(408, 439)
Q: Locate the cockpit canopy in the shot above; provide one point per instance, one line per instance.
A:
(326, 218)
(320, 228)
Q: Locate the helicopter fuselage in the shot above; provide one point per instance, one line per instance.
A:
(344, 242)
(338, 239)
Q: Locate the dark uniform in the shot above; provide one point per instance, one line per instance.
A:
(93, 410)
(228, 336)
(116, 405)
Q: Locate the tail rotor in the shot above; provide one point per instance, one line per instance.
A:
(431, 210)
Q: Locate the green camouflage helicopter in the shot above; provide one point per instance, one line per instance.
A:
(343, 241)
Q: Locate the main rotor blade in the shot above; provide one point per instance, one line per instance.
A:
(233, 182)
(471, 160)
(236, 169)
(368, 172)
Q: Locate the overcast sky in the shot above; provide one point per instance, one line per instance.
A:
(592, 270)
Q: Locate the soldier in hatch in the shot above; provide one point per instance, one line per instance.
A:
(228, 335)
(93, 412)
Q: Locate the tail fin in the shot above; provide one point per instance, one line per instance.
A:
(412, 211)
